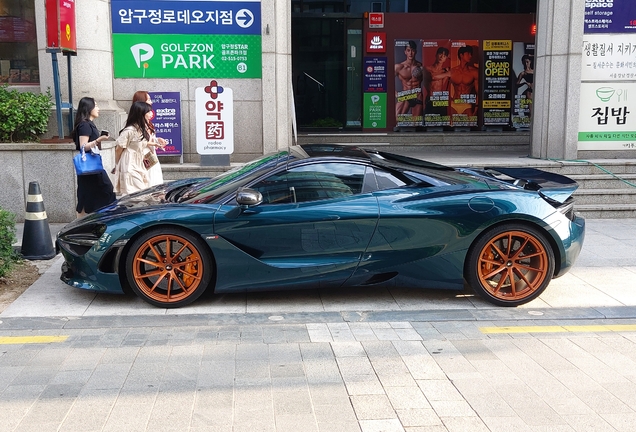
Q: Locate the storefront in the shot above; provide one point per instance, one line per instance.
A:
(346, 55)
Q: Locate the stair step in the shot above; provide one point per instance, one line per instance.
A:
(618, 167)
(605, 181)
(606, 211)
(605, 196)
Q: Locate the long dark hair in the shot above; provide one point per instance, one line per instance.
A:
(137, 118)
(84, 108)
(142, 96)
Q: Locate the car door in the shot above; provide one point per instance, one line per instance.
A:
(419, 241)
(311, 230)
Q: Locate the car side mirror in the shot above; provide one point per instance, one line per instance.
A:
(248, 197)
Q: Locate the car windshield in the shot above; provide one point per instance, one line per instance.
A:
(218, 186)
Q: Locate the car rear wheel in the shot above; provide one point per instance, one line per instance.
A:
(510, 265)
(169, 267)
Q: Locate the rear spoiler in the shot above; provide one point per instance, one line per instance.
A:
(553, 186)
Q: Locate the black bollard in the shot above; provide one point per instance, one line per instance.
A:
(36, 238)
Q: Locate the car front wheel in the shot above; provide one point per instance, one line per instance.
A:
(168, 267)
(510, 265)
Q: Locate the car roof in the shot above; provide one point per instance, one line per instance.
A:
(376, 157)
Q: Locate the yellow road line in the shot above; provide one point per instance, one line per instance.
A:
(8, 340)
(560, 329)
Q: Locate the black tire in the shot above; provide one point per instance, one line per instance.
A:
(182, 272)
(505, 276)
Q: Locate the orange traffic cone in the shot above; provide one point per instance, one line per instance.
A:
(36, 238)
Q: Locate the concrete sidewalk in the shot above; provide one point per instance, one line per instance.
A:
(601, 284)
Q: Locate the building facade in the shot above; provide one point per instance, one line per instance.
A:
(265, 106)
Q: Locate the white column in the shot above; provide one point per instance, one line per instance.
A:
(276, 22)
(557, 78)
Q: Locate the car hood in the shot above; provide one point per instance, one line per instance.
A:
(156, 196)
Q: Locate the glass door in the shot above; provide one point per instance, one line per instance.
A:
(326, 68)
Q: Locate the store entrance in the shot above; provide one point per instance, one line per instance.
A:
(327, 72)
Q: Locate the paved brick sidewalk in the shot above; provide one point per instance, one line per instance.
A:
(329, 376)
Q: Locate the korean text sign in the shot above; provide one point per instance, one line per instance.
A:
(497, 94)
(607, 117)
(609, 57)
(186, 39)
(375, 74)
(610, 16)
(214, 107)
(167, 121)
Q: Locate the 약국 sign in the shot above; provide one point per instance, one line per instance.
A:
(214, 106)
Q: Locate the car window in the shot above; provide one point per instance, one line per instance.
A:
(311, 183)
(394, 179)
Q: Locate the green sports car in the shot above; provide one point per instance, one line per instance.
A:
(331, 216)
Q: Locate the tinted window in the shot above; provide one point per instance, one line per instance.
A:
(386, 180)
(312, 182)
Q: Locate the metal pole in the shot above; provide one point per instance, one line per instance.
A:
(71, 120)
(58, 95)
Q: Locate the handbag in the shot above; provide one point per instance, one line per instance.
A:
(87, 163)
(150, 159)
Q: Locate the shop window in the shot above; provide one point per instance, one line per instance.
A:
(18, 45)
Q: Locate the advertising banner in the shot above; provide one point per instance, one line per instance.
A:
(523, 74)
(409, 97)
(167, 121)
(186, 56)
(374, 111)
(60, 25)
(497, 94)
(437, 65)
(375, 71)
(464, 78)
(214, 107)
(186, 39)
(610, 16)
(607, 117)
(609, 57)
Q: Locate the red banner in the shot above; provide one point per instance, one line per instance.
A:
(60, 25)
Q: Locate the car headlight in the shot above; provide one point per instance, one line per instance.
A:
(81, 239)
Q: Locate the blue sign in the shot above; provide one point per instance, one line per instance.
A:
(610, 16)
(167, 121)
(375, 74)
(186, 17)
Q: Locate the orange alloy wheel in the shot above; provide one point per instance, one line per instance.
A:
(167, 268)
(513, 265)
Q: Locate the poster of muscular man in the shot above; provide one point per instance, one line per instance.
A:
(464, 78)
(409, 97)
(437, 66)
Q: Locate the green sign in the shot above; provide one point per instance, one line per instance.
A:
(374, 111)
(186, 56)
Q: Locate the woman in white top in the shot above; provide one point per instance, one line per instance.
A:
(134, 140)
(155, 175)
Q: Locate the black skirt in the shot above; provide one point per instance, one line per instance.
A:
(94, 191)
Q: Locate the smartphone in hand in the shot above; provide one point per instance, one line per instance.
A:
(104, 133)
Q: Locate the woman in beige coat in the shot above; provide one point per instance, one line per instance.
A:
(134, 139)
